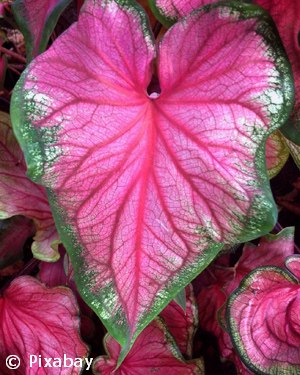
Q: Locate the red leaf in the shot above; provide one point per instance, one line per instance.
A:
(154, 352)
(147, 188)
(292, 263)
(182, 324)
(264, 321)
(20, 196)
(37, 321)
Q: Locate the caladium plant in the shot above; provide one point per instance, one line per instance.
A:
(143, 188)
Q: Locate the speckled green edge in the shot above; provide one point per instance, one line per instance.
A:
(20, 14)
(258, 224)
(233, 327)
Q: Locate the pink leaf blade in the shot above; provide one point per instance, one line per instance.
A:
(264, 321)
(39, 321)
(37, 20)
(123, 199)
(153, 352)
(20, 196)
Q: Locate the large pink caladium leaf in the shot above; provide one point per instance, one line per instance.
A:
(182, 324)
(146, 189)
(154, 352)
(286, 14)
(264, 321)
(37, 19)
(20, 196)
(41, 322)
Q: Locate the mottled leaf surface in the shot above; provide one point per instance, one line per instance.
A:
(37, 321)
(264, 321)
(182, 324)
(37, 19)
(147, 188)
(20, 196)
(154, 352)
(286, 14)
(169, 11)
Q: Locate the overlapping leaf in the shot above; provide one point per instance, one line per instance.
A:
(37, 19)
(20, 196)
(39, 321)
(263, 316)
(147, 188)
(286, 14)
(277, 153)
(182, 324)
(154, 352)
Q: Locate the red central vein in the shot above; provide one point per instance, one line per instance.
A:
(146, 170)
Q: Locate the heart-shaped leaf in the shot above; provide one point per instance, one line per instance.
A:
(264, 321)
(20, 196)
(37, 321)
(146, 189)
(154, 352)
(286, 14)
(37, 19)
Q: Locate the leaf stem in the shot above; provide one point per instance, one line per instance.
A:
(12, 54)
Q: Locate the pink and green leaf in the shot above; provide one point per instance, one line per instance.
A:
(20, 196)
(286, 14)
(146, 189)
(292, 263)
(39, 321)
(169, 11)
(154, 352)
(272, 250)
(37, 19)
(264, 322)
(182, 324)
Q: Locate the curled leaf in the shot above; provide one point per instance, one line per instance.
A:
(263, 317)
(277, 153)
